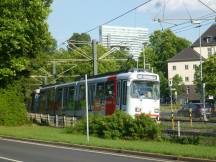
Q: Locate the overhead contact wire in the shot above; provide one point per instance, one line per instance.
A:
(119, 16)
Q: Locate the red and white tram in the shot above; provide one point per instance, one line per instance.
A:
(135, 92)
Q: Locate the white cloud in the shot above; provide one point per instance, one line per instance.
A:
(178, 7)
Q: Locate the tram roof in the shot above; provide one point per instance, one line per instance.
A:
(120, 74)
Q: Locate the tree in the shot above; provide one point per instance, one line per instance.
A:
(209, 76)
(162, 46)
(165, 44)
(79, 40)
(178, 84)
(164, 89)
(23, 34)
(12, 107)
(150, 58)
(76, 64)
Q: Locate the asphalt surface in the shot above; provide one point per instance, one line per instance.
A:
(20, 151)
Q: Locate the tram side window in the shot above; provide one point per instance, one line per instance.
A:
(65, 98)
(35, 102)
(124, 92)
(118, 93)
(91, 95)
(109, 90)
(59, 101)
(81, 96)
(71, 103)
(51, 101)
(43, 102)
(100, 91)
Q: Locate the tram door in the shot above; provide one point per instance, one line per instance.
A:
(110, 89)
(118, 96)
(123, 95)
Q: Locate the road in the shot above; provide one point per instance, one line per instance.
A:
(20, 151)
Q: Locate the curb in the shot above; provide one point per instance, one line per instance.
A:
(128, 152)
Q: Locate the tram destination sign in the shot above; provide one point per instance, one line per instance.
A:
(147, 77)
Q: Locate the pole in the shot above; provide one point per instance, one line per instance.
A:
(144, 57)
(179, 129)
(45, 80)
(54, 68)
(87, 120)
(54, 71)
(56, 120)
(201, 78)
(172, 114)
(200, 41)
(190, 116)
(205, 117)
(171, 104)
(94, 53)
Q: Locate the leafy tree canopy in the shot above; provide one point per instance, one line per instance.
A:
(162, 46)
(165, 44)
(23, 34)
(209, 76)
(77, 62)
(164, 89)
(78, 40)
(178, 84)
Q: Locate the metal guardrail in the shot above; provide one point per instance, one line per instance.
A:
(65, 121)
(55, 121)
(189, 133)
(186, 119)
(187, 128)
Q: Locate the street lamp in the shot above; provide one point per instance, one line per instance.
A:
(137, 61)
(201, 69)
(144, 59)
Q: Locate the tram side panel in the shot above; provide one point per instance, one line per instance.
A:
(70, 100)
(110, 95)
(106, 95)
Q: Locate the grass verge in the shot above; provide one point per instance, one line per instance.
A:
(60, 135)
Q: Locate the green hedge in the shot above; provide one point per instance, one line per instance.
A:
(12, 107)
(119, 126)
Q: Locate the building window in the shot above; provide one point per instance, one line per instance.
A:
(186, 79)
(186, 67)
(174, 67)
(188, 90)
(194, 66)
(194, 77)
(209, 51)
(209, 39)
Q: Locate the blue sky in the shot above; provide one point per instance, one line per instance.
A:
(69, 16)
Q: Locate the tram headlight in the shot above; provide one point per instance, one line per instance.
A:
(156, 110)
(137, 109)
(37, 91)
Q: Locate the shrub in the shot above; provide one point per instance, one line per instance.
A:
(185, 139)
(12, 107)
(147, 128)
(119, 125)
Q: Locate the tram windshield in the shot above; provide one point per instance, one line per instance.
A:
(145, 89)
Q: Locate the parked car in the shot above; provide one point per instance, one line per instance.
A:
(197, 110)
